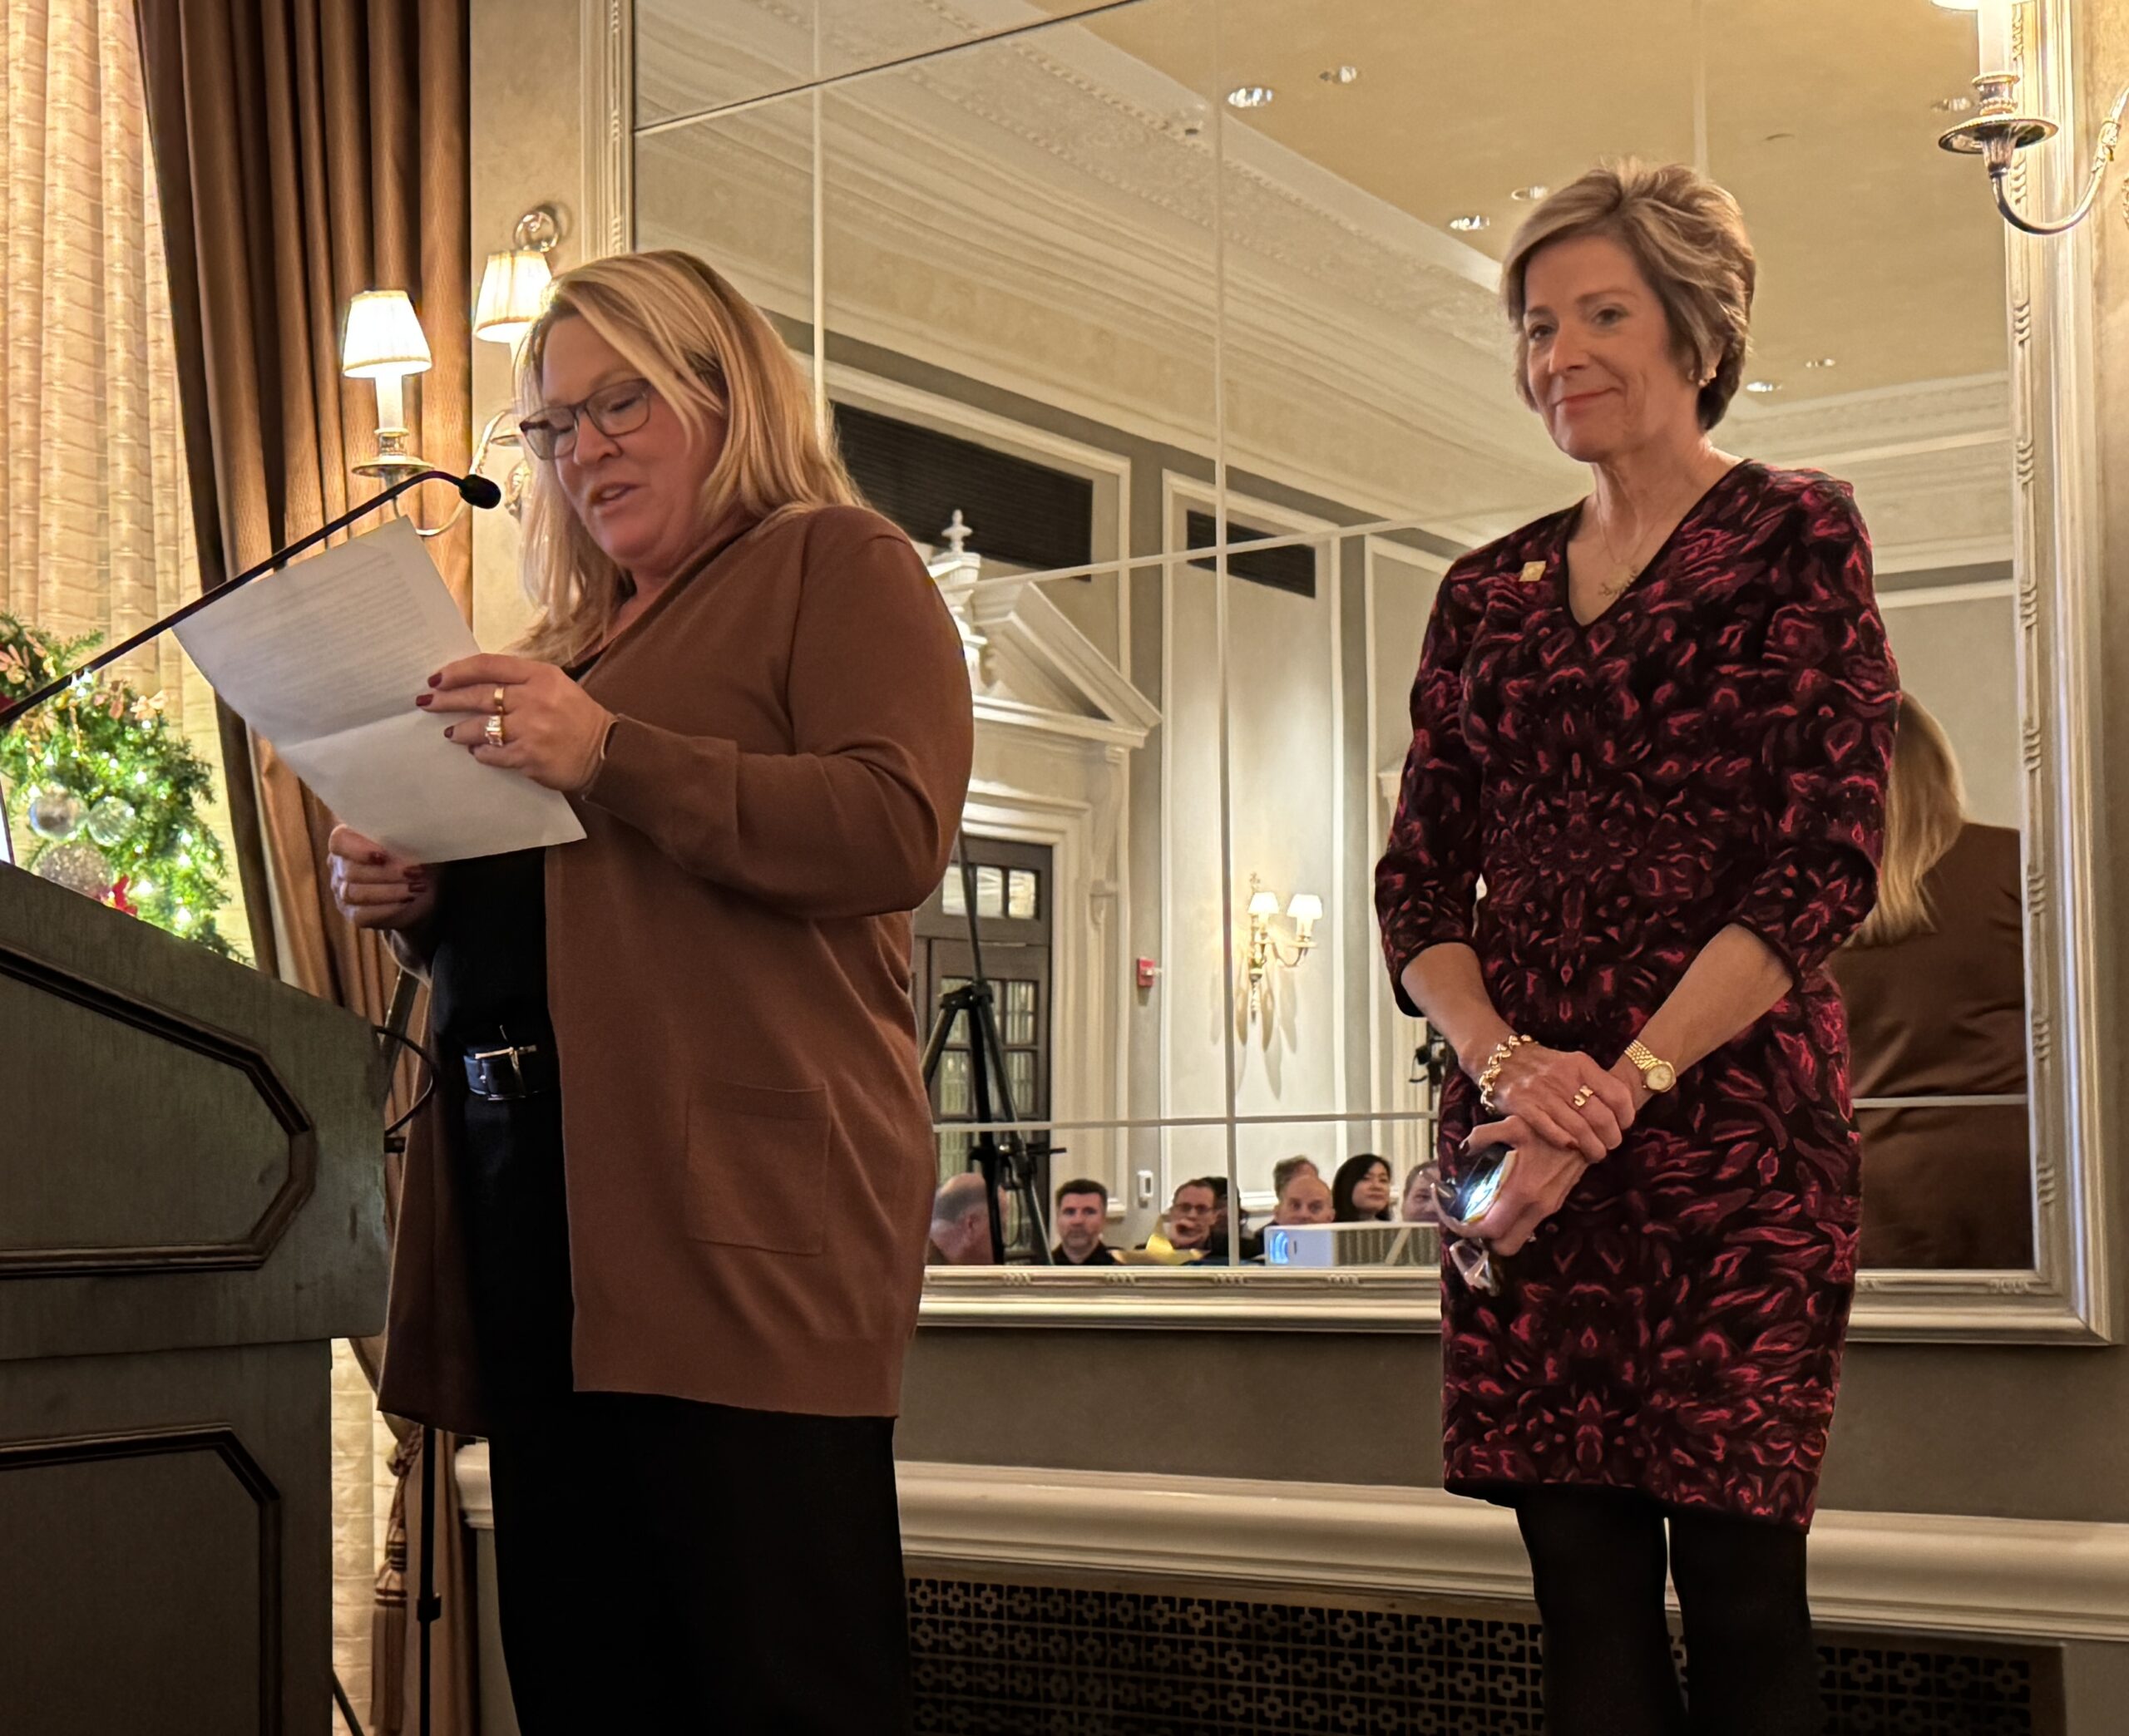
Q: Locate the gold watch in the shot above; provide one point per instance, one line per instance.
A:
(1659, 1076)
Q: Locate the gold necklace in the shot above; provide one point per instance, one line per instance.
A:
(1631, 570)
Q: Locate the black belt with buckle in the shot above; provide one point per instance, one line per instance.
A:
(506, 1073)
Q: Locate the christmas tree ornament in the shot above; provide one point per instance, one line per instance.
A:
(80, 868)
(111, 821)
(55, 813)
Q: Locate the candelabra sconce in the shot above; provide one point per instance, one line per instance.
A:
(1999, 130)
(384, 343)
(1304, 910)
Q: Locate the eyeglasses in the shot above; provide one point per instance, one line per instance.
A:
(614, 410)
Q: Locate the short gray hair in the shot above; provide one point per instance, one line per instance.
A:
(1688, 238)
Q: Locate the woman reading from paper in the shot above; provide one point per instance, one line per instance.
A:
(662, 1239)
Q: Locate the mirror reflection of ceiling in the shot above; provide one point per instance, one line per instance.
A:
(1038, 211)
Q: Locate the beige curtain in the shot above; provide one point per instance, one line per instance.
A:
(93, 502)
(307, 150)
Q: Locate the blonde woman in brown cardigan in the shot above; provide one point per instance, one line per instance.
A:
(663, 1235)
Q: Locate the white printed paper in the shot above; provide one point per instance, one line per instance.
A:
(324, 660)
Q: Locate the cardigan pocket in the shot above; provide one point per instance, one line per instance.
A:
(758, 1166)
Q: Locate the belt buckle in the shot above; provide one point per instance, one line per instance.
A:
(512, 1054)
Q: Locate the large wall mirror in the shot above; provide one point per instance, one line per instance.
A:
(1168, 330)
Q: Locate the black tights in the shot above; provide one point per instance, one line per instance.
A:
(1596, 1556)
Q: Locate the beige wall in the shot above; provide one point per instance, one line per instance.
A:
(2030, 1432)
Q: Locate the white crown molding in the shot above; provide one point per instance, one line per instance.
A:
(1916, 1573)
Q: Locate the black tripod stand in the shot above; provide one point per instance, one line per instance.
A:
(1006, 1159)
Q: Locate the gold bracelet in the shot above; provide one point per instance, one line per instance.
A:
(1489, 1074)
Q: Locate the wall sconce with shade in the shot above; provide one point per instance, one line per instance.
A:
(1998, 131)
(384, 343)
(1305, 910)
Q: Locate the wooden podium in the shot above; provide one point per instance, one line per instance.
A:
(191, 1209)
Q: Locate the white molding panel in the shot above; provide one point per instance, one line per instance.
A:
(1918, 1573)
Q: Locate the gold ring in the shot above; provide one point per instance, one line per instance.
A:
(498, 702)
(1583, 1095)
(493, 730)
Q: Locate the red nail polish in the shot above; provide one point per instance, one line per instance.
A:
(424, 700)
(437, 680)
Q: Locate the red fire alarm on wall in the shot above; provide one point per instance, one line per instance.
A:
(1147, 970)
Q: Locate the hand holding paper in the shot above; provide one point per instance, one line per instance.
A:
(324, 661)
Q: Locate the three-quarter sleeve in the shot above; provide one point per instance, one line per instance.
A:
(859, 819)
(1427, 881)
(1830, 698)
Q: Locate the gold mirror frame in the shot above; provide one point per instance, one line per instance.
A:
(2069, 1297)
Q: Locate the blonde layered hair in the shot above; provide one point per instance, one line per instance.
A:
(1925, 807)
(709, 353)
(1686, 236)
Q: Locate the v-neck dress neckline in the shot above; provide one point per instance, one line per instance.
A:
(1561, 575)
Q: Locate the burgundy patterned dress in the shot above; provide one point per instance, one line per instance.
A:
(1713, 750)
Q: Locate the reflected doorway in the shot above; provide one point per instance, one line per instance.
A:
(1013, 910)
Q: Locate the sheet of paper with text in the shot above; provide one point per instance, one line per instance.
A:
(325, 659)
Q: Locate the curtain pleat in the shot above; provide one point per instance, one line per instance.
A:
(307, 150)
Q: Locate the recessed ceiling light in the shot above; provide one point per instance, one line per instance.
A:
(1530, 194)
(1957, 103)
(1468, 221)
(1250, 97)
(1339, 75)
(1762, 386)
(1823, 361)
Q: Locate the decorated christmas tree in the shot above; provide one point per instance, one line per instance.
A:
(103, 793)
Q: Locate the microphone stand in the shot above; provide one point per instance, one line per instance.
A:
(475, 490)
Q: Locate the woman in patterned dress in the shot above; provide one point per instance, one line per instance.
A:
(1643, 803)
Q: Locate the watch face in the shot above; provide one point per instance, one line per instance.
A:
(1662, 1076)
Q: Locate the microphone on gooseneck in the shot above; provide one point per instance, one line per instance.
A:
(476, 490)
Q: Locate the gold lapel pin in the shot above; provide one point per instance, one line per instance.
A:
(1533, 571)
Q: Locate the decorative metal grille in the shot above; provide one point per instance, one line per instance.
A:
(1033, 1660)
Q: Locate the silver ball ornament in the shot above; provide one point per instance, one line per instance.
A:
(111, 821)
(54, 813)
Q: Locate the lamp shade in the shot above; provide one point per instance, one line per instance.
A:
(1304, 907)
(1263, 904)
(383, 338)
(513, 290)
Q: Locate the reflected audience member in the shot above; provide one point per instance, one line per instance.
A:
(1287, 1168)
(1934, 983)
(1216, 1240)
(1306, 1198)
(1361, 1190)
(1191, 1217)
(1082, 1213)
(1417, 1206)
(960, 1223)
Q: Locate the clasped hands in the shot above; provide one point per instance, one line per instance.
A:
(1555, 1137)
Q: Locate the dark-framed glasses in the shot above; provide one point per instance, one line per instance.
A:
(620, 408)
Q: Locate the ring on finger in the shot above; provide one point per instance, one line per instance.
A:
(1582, 1096)
(498, 700)
(493, 730)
